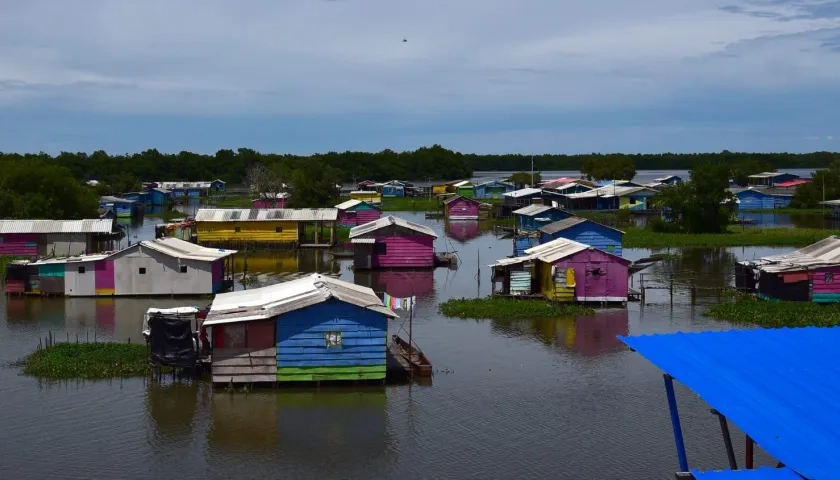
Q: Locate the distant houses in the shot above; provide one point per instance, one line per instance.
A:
(123, 207)
(392, 242)
(584, 231)
(369, 196)
(59, 238)
(462, 208)
(191, 189)
(529, 219)
(266, 228)
(492, 189)
(770, 179)
(762, 198)
(357, 212)
(613, 196)
(307, 330)
(465, 188)
(271, 200)
(166, 266)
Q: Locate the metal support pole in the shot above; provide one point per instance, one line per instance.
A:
(675, 422)
(727, 440)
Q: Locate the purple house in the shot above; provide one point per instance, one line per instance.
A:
(271, 200)
(392, 242)
(564, 270)
(357, 212)
(461, 208)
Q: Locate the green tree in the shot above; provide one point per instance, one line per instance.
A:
(700, 205)
(313, 185)
(825, 185)
(520, 179)
(609, 167)
(744, 167)
(33, 188)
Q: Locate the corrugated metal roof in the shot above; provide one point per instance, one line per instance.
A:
(612, 191)
(570, 222)
(77, 259)
(665, 178)
(779, 386)
(177, 248)
(512, 261)
(533, 209)
(104, 225)
(348, 204)
(112, 199)
(363, 240)
(182, 185)
(387, 222)
(524, 192)
(162, 190)
(462, 183)
(266, 214)
(822, 253)
(554, 250)
(456, 197)
(274, 300)
(761, 473)
(494, 182)
(766, 175)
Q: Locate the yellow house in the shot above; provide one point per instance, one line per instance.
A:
(225, 227)
(556, 283)
(444, 188)
(366, 196)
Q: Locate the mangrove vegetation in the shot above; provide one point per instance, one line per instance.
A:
(493, 308)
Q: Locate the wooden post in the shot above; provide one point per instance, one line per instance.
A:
(332, 234)
(693, 292)
(671, 289)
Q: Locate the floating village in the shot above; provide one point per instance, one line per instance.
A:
(315, 329)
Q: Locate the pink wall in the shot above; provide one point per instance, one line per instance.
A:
(352, 218)
(104, 274)
(819, 284)
(613, 284)
(462, 208)
(19, 244)
(263, 203)
(408, 251)
(404, 283)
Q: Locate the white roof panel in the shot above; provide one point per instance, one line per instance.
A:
(266, 214)
(57, 226)
(388, 221)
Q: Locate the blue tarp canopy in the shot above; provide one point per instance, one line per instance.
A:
(780, 386)
(763, 473)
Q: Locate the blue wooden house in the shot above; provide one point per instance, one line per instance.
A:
(160, 196)
(763, 199)
(531, 218)
(669, 180)
(311, 329)
(585, 231)
(492, 189)
(217, 185)
(769, 179)
(393, 188)
(124, 208)
(142, 198)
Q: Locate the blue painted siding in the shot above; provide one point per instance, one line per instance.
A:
(393, 191)
(300, 336)
(159, 198)
(526, 223)
(753, 200)
(520, 244)
(781, 201)
(217, 186)
(592, 234)
(194, 192)
(492, 190)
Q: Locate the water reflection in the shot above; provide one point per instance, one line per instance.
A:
(270, 267)
(420, 283)
(172, 407)
(709, 269)
(463, 230)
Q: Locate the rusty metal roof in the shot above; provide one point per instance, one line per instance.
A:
(274, 300)
(387, 222)
(266, 214)
(104, 225)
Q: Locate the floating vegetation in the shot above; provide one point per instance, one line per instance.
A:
(636, 237)
(88, 361)
(496, 308)
(747, 309)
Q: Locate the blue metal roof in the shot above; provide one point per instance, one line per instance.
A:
(763, 473)
(780, 386)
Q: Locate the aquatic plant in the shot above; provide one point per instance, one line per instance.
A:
(506, 308)
(735, 237)
(88, 361)
(747, 309)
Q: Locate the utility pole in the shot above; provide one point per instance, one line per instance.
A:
(532, 171)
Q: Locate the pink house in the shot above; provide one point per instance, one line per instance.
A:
(270, 200)
(392, 242)
(357, 212)
(461, 208)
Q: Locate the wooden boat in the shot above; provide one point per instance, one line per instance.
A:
(418, 362)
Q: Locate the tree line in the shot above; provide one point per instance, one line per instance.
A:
(435, 162)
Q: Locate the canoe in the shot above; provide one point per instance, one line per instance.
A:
(420, 365)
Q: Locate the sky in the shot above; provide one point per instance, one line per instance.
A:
(480, 76)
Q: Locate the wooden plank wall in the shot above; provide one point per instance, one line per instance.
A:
(244, 365)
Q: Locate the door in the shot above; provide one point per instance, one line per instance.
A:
(363, 254)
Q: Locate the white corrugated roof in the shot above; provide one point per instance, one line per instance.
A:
(512, 261)
(266, 214)
(462, 183)
(833, 203)
(363, 240)
(522, 192)
(274, 300)
(534, 209)
(387, 222)
(104, 225)
(348, 204)
(273, 196)
(112, 199)
(611, 191)
(177, 248)
(819, 254)
(77, 259)
(554, 250)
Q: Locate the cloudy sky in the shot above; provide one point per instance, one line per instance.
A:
(486, 76)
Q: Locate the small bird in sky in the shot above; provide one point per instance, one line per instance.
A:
(405, 40)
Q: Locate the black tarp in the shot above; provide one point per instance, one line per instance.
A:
(774, 286)
(171, 341)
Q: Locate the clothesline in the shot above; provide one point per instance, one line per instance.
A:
(397, 303)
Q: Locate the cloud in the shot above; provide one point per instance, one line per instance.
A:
(469, 60)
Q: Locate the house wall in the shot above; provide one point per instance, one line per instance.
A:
(244, 352)
(752, 200)
(526, 223)
(159, 198)
(393, 191)
(249, 232)
(825, 285)
(104, 283)
(370, 197)
(68, 244)
(468, 192)
(78, 283)
(491, 191)
(781, 201)
(358, 215)
(611, 287)
(462, 209)
(559, 285)
(522, 243)
(162, 276)
(268, 203)
(633, 202)
(303, 354)
(594, 235)
(405, 251)
(19, 244)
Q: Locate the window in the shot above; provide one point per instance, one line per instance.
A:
(81, 269)
(829, 277)
(142, 270)
(278, 229)
(183, 269)
(333, 339)
(237, 229)
(380, 248)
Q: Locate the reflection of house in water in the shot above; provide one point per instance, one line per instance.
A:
(463, 230)
(397, 283)
(172, 407)
(591, 335)
(298, 425)
(286, 261)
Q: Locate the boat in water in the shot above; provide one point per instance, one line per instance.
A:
(415, 358)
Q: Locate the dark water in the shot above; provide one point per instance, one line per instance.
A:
(523, 399)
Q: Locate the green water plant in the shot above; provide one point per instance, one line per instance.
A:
(88, 361)
(507, 308)
(734, 237)
(747, 310)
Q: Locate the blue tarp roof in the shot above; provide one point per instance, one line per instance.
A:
(763, 473)
(780, 386)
